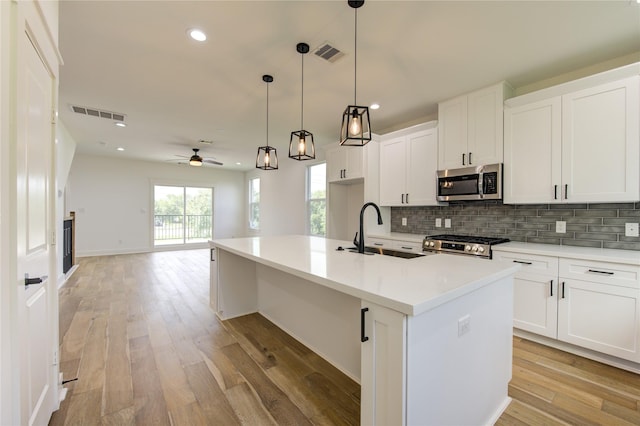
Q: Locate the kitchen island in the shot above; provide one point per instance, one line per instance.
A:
(429, 339)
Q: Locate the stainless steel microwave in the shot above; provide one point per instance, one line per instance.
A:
(470, 183)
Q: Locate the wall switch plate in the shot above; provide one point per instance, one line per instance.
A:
(404, 221)
(631, 230)
(464, 325)
(447, 223)
(438, 222)
(561, 227)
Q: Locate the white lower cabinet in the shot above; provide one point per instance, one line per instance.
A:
(383, 365)
(599, 307)
(402, 245)
(591, 304)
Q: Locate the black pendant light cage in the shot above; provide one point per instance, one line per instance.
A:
(301, 145)
(356, 125)
(267, 158)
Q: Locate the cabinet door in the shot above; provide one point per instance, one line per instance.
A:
(336, 163)
(422, 163)
(600, 143)
(354, 162)
(484, 126)
(393, 172)
(383, 369)
(535, 304)
(601, 317)
(532, 153)
(452, 137)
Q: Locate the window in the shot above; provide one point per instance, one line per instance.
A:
(317, 199)
(254, 203)
(182, 215)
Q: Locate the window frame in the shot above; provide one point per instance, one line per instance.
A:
(310, 200)
(251, 203)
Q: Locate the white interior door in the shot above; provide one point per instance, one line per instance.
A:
(33, 203)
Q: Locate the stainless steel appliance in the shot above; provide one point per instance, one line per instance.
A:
(470, 183)
(461, 244)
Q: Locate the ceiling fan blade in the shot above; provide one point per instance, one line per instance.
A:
(217, 163)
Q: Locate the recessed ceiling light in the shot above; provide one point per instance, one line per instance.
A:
(197, 35)
(374, 106)
(238, 164)
(120, 124)
(119, 148)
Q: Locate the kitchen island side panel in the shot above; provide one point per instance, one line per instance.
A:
(456, 377)
(237, 293)
(323, 319)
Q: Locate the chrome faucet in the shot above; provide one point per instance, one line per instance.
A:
(360, 237)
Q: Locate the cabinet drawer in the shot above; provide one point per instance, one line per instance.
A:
(407, 246)
(531, 263)
(601, 272)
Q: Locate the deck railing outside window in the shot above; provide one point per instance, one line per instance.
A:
(169, 228)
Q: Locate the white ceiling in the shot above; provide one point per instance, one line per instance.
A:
(135, 58)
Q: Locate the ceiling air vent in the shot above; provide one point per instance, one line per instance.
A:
(94, 112)
(328, 52)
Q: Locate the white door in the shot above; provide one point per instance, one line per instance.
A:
(36, 313)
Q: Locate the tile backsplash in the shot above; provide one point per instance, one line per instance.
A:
(587, 225)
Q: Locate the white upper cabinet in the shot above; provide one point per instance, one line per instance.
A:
(345, 163)
(471, 128)
(577, 147)
(532, 152)
(600, 143)
(408, 164)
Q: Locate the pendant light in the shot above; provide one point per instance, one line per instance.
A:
(267, 156)
(356, 126)
(301, 146)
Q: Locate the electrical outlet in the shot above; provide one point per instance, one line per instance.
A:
(561, 227)
(447, 223)
(464, 325)
(631, 230)
(438, 222)
(404, 221)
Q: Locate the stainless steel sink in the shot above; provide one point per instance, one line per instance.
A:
(389, 252)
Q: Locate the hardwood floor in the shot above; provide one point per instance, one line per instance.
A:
(138, 334)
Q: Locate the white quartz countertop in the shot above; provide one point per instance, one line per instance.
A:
(629, 257)
(410, 286)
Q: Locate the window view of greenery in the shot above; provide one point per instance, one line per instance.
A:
(254, 203)
(182, 215)
(317, 199)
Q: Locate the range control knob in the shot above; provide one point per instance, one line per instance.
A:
(467, 248)
(475, 248)
(431, 244)
(481, 249)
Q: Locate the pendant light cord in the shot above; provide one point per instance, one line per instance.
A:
(302, 97)
(355, 58)
(267, 115)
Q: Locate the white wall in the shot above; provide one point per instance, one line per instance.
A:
(112, 199)
(282, 198)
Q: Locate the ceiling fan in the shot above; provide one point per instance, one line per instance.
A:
(196, 160)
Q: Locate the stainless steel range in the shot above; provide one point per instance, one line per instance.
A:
(461, 244)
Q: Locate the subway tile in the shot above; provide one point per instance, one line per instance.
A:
(564, 212)
(581, 243)
(630, 213)
(555, 241)
(606, 228)
(584, 220)
(568, 206)
(554, 234)
(621, 245)
(536, 226)
(542, 219)
(596, 236)
(608, 206)
(597, 213)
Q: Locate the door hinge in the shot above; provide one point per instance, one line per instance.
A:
(53, 238)
(54, 116)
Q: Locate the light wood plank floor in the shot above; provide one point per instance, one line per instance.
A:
(138, 334)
